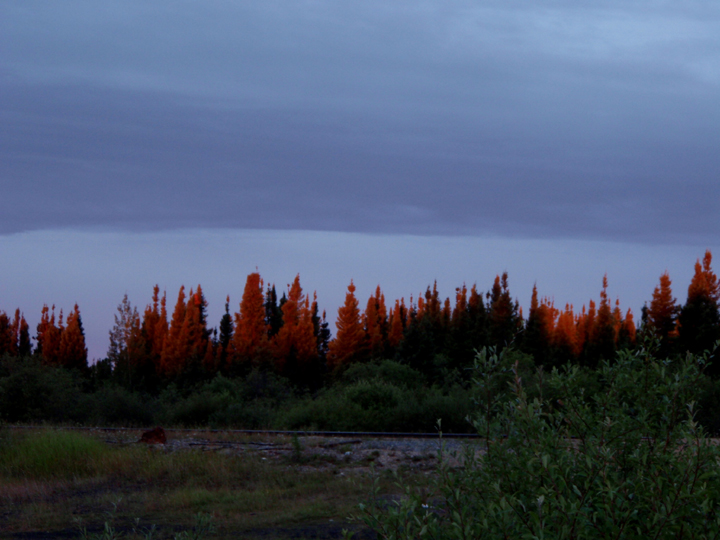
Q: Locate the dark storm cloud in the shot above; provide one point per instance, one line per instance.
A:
(410, 117)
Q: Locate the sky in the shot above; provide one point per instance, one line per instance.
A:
(391, 142)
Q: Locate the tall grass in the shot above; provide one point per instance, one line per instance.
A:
(50, 455)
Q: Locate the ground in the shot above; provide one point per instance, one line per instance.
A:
(253, 486)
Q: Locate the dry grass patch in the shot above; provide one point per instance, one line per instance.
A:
(42, 488)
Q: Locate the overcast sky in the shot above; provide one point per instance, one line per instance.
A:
(543, 122)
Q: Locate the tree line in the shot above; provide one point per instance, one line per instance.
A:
(288, 336)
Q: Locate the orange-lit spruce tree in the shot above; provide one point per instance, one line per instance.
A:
(699, 320)
(153, 330)
(154, 326)
(19, 336)
(395, 333)
(193, 339)
(48, 336)
(662, 316)
(566, 342)
(376, 324)
(72, 350)
(249, 344)
(628, 332)
(296, 343)
(174, 351)
(349, 342)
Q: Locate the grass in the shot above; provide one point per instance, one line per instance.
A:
(50, 455)
(51, 478)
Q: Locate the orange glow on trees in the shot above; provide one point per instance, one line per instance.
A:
(350, 338)
(628, 332)
(699, 320)
(395, 333)
(662, 314)
(376, 324)
(72, 352)
(704, 284)
(154, 326)
(296, 341)
(14, 335)
(48, 336)
(565, 338)
(174, 352)
(251, 330)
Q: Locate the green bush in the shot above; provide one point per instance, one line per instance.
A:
(387, 370)
(376, 405)
(628, 461)
(256, 414)
(196, 410)
(31, 392)
(709, 406)
(249, 403)
(116, 406)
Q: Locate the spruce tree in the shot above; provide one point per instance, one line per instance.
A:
(699, 321)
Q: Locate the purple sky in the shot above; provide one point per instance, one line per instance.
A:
(426, 124)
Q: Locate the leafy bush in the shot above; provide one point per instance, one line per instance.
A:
(115, 405)
(376, 405)
(628, 461)
(387, 370)
(31, 392)
(249, 403)
(197, 409)
(709, 405)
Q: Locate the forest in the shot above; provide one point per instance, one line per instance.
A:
(393, 366)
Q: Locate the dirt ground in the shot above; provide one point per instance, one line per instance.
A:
(351, 457)
(357, 453)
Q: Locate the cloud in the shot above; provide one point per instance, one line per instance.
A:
(508, 118)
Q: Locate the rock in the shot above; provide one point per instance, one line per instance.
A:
(154, 436)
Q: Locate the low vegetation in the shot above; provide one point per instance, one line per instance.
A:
(625, 461)
(375, 396)
(78, 485)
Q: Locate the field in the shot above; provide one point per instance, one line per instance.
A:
(54, 483)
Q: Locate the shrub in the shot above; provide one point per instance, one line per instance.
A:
(257, 414)
(249, 403)
(629, 461)
(115, 405)
(387, 370)
(197, 409)
(31, 392)
(376, 405)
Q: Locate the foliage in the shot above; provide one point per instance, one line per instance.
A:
(249, 403)
(375, 404)
(114, 405)
(389, 371)
(32, 392)
(628, 461)
(203, 527)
